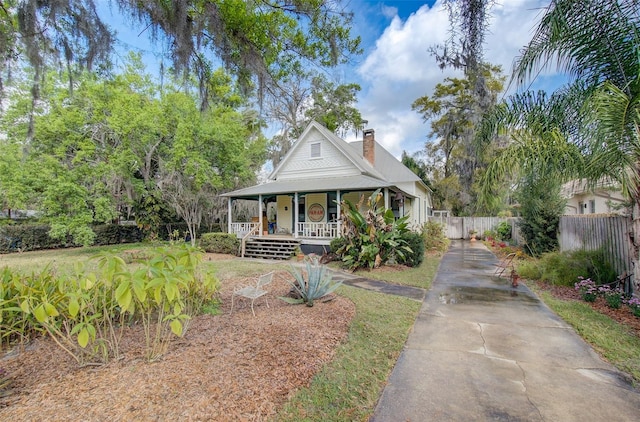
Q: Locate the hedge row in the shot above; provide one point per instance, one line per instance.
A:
(30, 237)
(34, 236)
(167, 230)
(220, 243)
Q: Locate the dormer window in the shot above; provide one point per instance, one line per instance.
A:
(315, 150)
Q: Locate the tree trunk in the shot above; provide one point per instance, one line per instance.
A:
(634, 235)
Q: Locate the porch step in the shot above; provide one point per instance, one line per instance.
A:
(270, 248)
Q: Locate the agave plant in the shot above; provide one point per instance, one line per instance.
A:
(318, 284)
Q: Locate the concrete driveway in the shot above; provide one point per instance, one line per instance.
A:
(481, 350)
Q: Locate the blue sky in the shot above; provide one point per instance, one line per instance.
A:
(396, 67)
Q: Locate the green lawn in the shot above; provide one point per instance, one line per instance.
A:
(612, 340)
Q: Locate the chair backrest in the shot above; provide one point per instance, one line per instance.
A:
(265, 279)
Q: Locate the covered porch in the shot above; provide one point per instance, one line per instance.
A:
(311, 217)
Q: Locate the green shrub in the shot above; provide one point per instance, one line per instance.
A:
(337, 243)
(503, 230)
(564, 268)
(529, 269)
(28, 237)
(434, 237)
(31, 237)
(113, 234)
(220, 243)
(415, 242)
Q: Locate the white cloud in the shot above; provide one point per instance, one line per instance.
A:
(389, 11)
(399, 69)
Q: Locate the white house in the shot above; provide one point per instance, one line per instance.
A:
(302, 196)
(603, 197)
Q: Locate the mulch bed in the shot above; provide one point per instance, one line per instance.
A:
(623, 315)
(227, 367)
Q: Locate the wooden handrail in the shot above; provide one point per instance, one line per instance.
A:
(246, 236)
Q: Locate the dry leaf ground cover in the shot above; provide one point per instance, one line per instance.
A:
(227, 367)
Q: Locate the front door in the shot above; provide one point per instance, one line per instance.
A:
(285, 214)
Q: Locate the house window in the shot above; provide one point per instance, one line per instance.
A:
(581, 207)
(592, 206)
(315, 150)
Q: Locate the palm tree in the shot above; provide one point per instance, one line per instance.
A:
(589, 128)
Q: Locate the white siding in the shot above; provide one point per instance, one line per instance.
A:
(605, 202)
(332, 162)
(315, 199)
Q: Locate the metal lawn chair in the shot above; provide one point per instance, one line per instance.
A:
(254, 292)
(504, 265)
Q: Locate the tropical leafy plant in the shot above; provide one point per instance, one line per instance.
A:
(86, 313)
(318, 283)
(371, 238)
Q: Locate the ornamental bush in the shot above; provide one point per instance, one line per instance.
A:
(227, 243)
(587, 289)
(415, 242)
(434, 237)
(634, 304)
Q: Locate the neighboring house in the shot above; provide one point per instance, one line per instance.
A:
(301, 198)
(605, 197)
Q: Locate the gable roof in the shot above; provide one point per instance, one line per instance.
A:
(584, 186)
(387, 164)
(387, 172)
(353, 156)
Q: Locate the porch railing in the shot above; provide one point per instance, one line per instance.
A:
(241, 229)
(322, 230)
(254, 229)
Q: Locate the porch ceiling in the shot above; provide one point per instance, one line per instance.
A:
(349, 183)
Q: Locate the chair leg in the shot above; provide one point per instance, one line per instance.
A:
(252, 311)
(232, 296)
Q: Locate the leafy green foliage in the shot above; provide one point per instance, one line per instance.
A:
(590, 127)
(86, 312)
(326, 102)
(318, 283)
(564, 268)
(125, 146)
(29, 237)
(453, 109)
(220, 243)
(434, 236)
(503, 230)
(415, 242)
(542, 207)
(371, 238)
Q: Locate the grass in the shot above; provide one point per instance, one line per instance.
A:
(612, 340)
(60, 260)
(347, 388)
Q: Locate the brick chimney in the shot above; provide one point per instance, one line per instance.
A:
(369, 146)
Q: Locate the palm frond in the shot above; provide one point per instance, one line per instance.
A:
(592, 40)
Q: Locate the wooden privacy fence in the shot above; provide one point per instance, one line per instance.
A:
(459, 227)
(592, 232)
(576, 232)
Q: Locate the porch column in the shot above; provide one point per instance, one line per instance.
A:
(229, 215)
(260, 215)
(338, 219)
(295, 215)
(386, 198)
